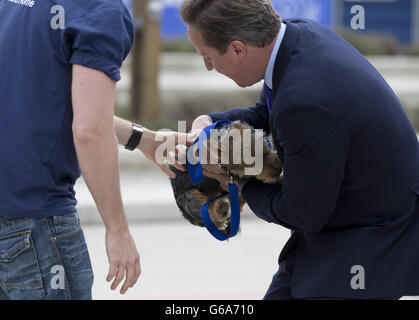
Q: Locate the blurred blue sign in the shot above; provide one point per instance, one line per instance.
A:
(318, 10)
(172, 25)
(392, 17)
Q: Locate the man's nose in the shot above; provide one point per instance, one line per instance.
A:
(208, 64)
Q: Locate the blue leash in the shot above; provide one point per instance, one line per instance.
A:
(195, 173)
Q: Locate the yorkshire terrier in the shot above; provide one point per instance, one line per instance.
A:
(190, 198)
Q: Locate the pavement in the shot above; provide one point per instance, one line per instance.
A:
(182, 262)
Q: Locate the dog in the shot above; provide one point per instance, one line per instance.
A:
(190, 198)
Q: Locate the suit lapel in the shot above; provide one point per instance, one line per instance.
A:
(284, 55)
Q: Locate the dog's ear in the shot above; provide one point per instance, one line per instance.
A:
(191, 207)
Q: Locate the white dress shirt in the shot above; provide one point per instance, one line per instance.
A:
(271, 65)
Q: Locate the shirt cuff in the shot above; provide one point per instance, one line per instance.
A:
(217, 116)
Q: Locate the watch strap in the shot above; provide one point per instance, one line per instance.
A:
(134, 140)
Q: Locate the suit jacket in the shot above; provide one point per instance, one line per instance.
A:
(351, 170)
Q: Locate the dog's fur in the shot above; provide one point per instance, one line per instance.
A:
(190, 198)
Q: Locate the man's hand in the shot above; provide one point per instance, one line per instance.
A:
(149, 144)
(198, 125)
(151, 141)
(215, 172)
(124, 260)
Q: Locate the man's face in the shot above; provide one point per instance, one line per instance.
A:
(230, 64)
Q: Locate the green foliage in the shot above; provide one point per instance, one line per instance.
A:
(371, 44)
(186, 107)
(413, 49)
(177, 45)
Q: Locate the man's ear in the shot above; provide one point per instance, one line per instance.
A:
(239, 49)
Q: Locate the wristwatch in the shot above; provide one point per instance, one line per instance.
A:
(134, 140)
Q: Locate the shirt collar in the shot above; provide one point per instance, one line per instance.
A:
(271, 65)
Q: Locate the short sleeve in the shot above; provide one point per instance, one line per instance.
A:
(100, 40)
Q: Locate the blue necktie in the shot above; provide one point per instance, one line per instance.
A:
(268, 95)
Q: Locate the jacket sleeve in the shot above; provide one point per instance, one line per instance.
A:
(257, 116)
(315, 146)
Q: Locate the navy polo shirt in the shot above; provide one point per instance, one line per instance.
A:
(39, 42)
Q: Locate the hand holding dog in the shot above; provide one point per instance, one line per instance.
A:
(198, 125)
(149, 144)
(214, 171)
(180, 153)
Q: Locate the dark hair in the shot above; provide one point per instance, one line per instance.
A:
(220, 22)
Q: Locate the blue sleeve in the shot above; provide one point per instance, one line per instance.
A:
(100, 40)
(315, 147)
(257, 116)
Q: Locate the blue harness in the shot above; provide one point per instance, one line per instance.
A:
(195, 173)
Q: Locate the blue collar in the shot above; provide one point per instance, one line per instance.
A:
(270, 69)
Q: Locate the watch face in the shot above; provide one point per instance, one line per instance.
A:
(137, 127)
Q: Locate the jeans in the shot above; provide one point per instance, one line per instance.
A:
(44, 258)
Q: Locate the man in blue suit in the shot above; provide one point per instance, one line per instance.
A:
(349, 153)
